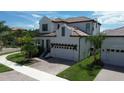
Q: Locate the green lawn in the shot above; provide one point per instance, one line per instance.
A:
(19, 58)
(82, 71)
(4, 68)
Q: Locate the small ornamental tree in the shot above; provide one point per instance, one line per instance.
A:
(28, 48)
(96, 42)
(24, 40)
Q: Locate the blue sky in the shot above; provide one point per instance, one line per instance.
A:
(29, 20)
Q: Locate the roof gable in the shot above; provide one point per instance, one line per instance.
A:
(44, 18)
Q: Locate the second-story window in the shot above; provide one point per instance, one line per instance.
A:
(88, 27)
(63, 31)
(44, 27)
(96, 25)
(58, 26)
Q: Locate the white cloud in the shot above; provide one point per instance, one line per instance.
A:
(110, 17)
(47, 12)
(36, 15)
(30, 26)
(51, 14)
(26, 17)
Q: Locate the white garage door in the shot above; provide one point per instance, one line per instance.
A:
(66, 54)
(113, 51)
(113, 56)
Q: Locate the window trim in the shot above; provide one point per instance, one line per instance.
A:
(58, 26)
(44, 28)
(122, 51)
(108, 50)
(96, 25)
(63, 31)
(112, 50)
(88, 27)
(42, 41)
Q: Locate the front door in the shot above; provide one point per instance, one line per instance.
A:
(48, 45)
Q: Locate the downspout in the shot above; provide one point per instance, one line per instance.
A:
(79, 50)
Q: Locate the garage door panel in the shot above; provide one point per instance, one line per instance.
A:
(114, 58)
(64, 53)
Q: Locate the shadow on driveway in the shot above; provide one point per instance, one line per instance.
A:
(60, 61)
(114, 68)
(51, 65)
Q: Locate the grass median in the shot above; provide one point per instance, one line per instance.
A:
(4, 68)
(19, 58)
(82, 71)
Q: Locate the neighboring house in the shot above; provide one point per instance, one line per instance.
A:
(17, 29)
(65, 38)
(113, 47)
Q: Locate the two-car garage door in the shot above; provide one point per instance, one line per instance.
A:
(113, 51)
(63, 53)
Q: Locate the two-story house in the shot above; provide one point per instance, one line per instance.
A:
(65, 38)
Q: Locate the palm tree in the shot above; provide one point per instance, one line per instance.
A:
(96, 41)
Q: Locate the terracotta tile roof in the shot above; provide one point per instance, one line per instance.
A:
(51, 34)
(76, 31)
(73, 19)
(57, 20)
(115, 32)
(15, 29)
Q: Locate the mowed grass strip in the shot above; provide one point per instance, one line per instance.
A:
(19, 58)
(4, 68)
(82, 71)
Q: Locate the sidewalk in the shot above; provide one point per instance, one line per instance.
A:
(8, 50)
(31, 72)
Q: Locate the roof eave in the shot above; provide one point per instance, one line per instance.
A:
(75, 21)
(47, 36)
(114, 36)
(77, 36)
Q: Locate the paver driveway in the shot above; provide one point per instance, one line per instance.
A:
(111, 74)
(14, 76)
(52, 65)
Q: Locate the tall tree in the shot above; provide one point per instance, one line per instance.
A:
(3, 29)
